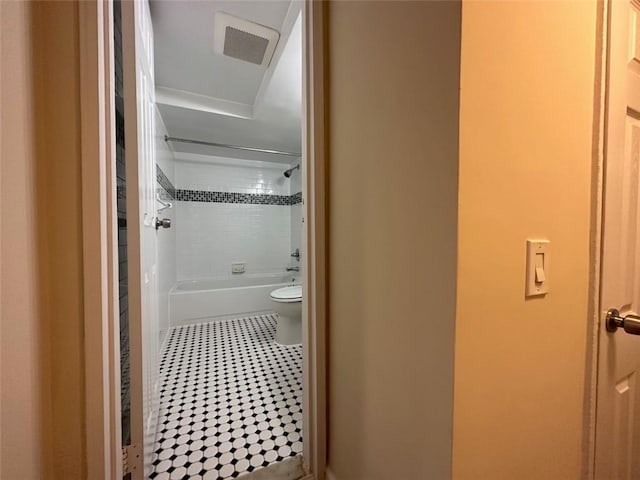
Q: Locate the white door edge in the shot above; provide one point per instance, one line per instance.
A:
(314, 404)
(597, 182)
(99, 233)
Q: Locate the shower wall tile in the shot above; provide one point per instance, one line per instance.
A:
(295, 199)
(296, 214)
(245, 177)
(296, 230)
(211, 235)
(164, 186)
(295, 181)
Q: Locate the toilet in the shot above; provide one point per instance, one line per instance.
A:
(287, 303)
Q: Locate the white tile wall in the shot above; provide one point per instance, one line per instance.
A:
(253, 177)
(166, 237)
(295, 181)
(212, 236)
(296, 216)
(296, 230)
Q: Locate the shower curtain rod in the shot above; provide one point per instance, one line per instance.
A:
(167, 138)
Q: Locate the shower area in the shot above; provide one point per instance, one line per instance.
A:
(239, 224)
(228, 224)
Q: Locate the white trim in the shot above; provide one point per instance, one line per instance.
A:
(113, 294)
(102, 420)
(314, 237)
(595, 243)
(1, 135)
(203, 103)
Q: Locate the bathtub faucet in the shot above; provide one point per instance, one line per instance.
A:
(293, 269)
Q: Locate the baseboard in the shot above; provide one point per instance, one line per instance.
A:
(218, 318)
(283, 470)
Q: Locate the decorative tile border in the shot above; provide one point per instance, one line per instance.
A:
(234, 197)
(169, 192)
(296, 198)
(231, 197)
(165, 183)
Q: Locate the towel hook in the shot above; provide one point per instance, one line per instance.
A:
(165, 205)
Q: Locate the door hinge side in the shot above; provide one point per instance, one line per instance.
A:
(130, 458)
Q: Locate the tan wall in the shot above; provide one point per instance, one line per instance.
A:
(61, 196)
(23, 357)
(393, 128)
(527, 89)
(42, 374)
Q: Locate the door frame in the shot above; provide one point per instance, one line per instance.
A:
(99, 240)
(595, 308)
(100, 255)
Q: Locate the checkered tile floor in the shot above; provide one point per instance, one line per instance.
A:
(231, 400)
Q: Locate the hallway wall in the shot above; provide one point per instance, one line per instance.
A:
(24, 379)
(42, 349)
(526, 117)
(60, 224)
(393, 151)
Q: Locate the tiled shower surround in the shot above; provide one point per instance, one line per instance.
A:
(233, 211)
(164, 185)
(231, 400)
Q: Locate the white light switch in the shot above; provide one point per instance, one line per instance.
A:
(540, 275)
(538, 259)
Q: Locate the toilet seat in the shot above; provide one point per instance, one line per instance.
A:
(287, 294)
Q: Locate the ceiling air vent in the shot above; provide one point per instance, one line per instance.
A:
(244, 40)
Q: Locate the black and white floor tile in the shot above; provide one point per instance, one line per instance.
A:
(231, 400)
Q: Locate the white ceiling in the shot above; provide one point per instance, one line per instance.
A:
(210, 97)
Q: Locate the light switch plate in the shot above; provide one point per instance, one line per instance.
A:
(538, 257)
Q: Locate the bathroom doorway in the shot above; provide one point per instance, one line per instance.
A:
(221, 241)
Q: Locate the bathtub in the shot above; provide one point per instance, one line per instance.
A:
(194, 300)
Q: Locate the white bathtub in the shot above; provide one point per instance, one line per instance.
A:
(194, 300)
